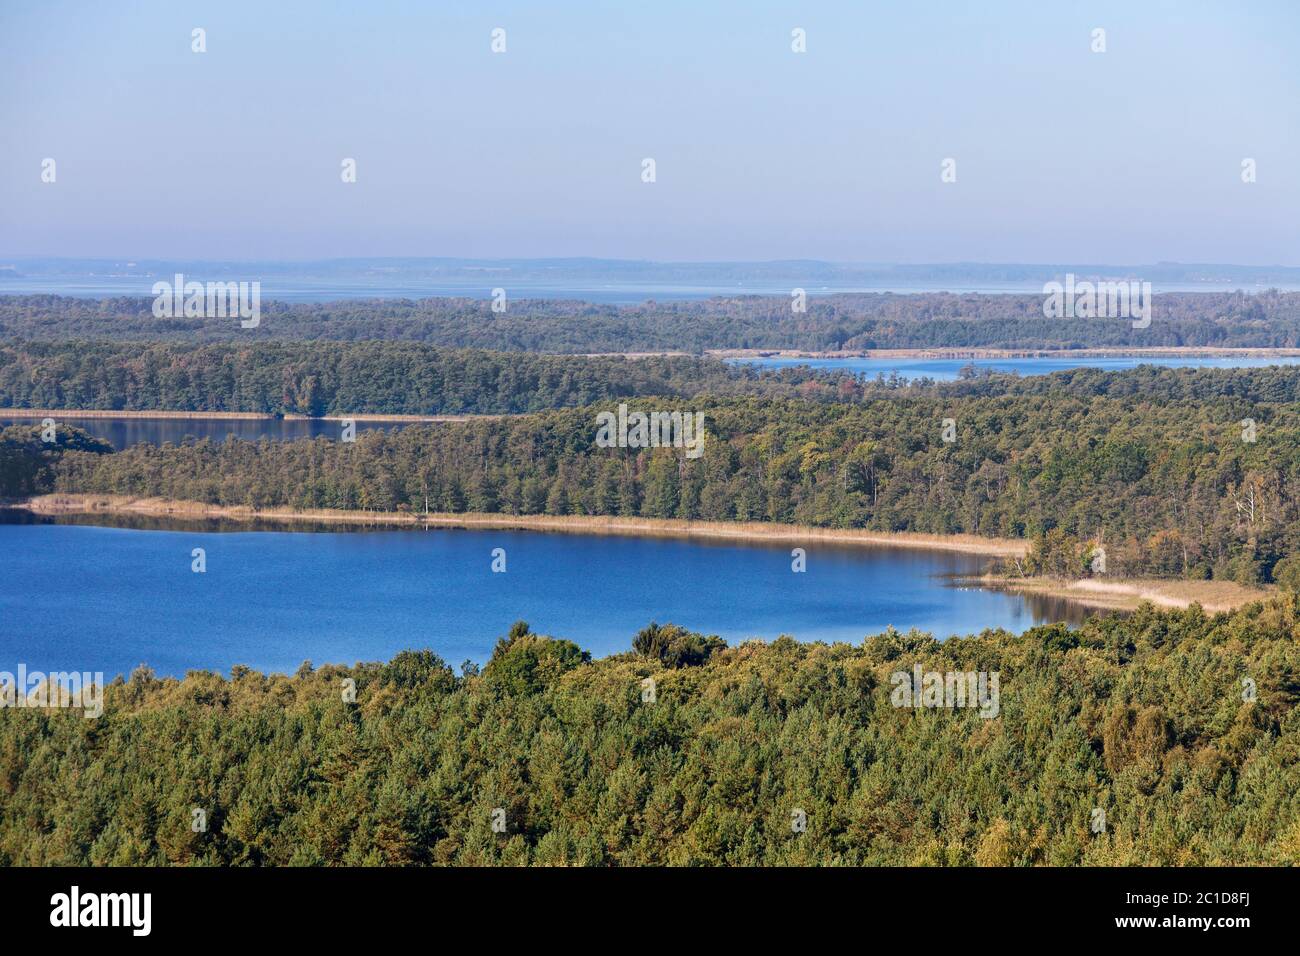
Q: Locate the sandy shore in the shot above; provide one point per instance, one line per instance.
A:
(632, 355)
(1127, 593)
(80, 504)
(64, 413)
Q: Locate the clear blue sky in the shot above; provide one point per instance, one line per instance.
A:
(1062, 155)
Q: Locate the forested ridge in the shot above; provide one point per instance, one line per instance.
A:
(1155, 466)
(349, 378)
(1144, 719)
(1269, 319)
(353, 378)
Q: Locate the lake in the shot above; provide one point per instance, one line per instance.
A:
(946, 369)
(95, 598)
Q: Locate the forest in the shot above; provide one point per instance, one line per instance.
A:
(1166, 738)
(406, 378)
(1174, 473)
(1178, 727)
(349, 378)
(1267, 319)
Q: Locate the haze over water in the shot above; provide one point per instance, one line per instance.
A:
(603, 281)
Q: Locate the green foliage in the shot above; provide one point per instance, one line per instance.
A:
(1148, 464)
(1057, 555)
(27, 462)
(381, 378)
(525, 663)
(1268, 319)
(674, 646)
(1287, 573)
(1140, 716)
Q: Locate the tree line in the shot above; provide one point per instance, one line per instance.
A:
(352, 378)
(1198, 476)
(319, 378)
(1166, 738)
(1268, 319)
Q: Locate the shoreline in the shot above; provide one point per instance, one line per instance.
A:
(1164, 351)
(1126, 594)
(53, 505)
(1118, 594)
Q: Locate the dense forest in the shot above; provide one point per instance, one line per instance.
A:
(1155, 466)
(27, 464)
(404, 378)
(1178, 733)
(317, 378)
(859, 321)
(1176, 473)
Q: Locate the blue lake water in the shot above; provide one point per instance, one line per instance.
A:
(946, 369)
(91, 598)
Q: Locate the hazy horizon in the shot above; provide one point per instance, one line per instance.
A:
(606, 281)
(1061, 154)
(6, 259)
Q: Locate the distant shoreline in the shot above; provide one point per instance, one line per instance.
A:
(89, 504)
(1171, 351)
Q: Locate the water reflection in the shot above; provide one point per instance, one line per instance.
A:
(273, 595)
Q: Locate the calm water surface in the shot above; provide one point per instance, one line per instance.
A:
(103, 598)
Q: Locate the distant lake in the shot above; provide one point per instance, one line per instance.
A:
(946, 370)
(85, 597)
(125, 432)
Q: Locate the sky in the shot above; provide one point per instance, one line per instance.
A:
(1062, 154)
